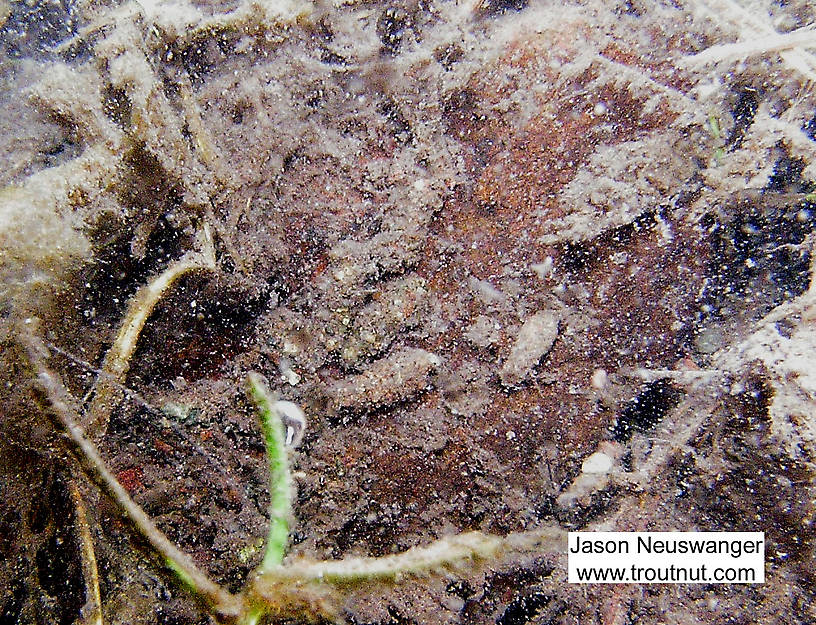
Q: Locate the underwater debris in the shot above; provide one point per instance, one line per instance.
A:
(393, 379)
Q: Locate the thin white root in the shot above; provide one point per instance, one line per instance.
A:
(752, 25)
(116, 364)
(683, 377)
(802, 38)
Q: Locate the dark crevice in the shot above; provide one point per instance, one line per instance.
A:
(584, 255)
(117, 106)
(646, 410)
(199, 326)
(201, 57)
(33, 29)
(376, 534)
(524, 609)
(449, 55)
(810, 127)
(743, 112)
(13, 608)
(493, 8)
(117, 274)
(787, 176)
(57, 559)
(509, 596)
(757, 262)
(392, 26)
(331, 57)
(756, 489)
(63, 147)
(397, 124)
(599, 504)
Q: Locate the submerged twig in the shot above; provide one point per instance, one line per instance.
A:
(199, 583)
(117, 360)
(153, 412)
(274, 588)
(754, 26)
(441, 554)
(414, 561)
(92, 610)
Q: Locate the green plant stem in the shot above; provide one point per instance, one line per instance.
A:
(280, 478)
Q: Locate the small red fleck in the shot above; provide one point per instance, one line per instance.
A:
(686, 364)
(160, 445)
(131, 479)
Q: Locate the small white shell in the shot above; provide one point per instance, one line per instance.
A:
(294, 420)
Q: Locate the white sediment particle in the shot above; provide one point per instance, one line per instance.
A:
(596, 472)
(389, 380)
(599, 378)
(535, 339)
(287, 372)
(544, 268)
(486, 292)
(598, 462)
(483, 332)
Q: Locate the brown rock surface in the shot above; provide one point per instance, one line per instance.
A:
(408, 191)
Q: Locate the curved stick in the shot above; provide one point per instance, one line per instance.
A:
(90, 572)
(117, 360)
